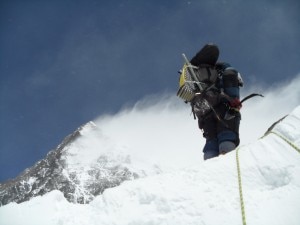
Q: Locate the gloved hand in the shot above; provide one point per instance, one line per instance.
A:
(236, 104)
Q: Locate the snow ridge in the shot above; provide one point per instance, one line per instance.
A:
(205, 193)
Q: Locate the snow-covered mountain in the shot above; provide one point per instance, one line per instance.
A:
(76, 169)
(196, 192)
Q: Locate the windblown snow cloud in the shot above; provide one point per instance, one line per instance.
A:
(161, 129)
(270, 171)
(259, 114)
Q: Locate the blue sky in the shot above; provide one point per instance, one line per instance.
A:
(64, 63)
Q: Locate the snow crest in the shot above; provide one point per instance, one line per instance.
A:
(202, 194)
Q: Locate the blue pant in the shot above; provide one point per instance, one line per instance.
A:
(222, 144)
(222, 135)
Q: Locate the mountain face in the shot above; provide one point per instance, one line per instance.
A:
(79, 179)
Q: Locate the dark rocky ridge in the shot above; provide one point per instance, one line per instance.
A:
(51, 173)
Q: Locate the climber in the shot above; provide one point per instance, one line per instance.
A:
(212, 89)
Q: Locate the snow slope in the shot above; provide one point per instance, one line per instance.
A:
(200, 194)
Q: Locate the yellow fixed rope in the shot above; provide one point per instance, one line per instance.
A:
(286, 140)
(240, 187)
(240, 177)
